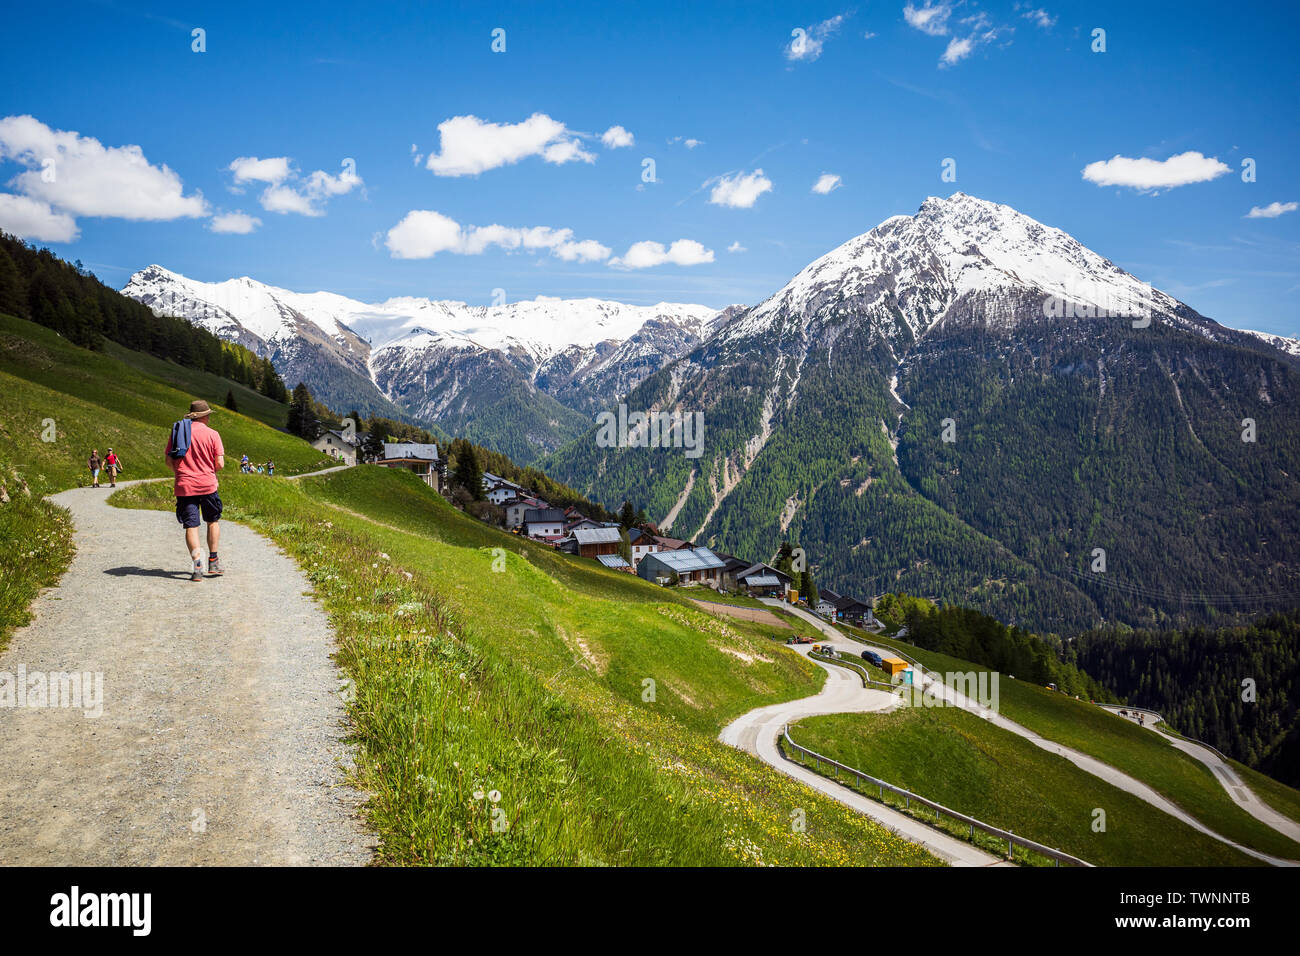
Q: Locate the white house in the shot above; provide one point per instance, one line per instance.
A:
(337, 445)
(642, 544)
(544, 523)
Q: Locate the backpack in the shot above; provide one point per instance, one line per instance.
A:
(180, 443)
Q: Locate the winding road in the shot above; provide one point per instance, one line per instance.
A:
(220, 738)
(1083, 761)
(757, 731)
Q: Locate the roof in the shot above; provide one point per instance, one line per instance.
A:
(828, 595)
(528, 501)
(763, 581)
(339, 435)
(543, 514)
(687, 559)
(844, 603)
(612, 560)
(671, 544)
(596, 535)
(762, 569)
(411, 449)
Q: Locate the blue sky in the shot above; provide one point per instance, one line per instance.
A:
(1022, 108)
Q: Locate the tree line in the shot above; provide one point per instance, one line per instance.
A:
(37, 285)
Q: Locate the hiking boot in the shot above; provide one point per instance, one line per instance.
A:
(214, 567)
(196, 575)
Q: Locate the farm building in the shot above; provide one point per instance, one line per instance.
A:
(593, 542)
(763, 580)
(692, 566)
(614, 561)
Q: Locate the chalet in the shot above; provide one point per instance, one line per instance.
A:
(594, 542)
(515, 509)
(671, 544)
(763, 580)
(339, 446)
(582, 524)
(731, 566)
(853, 611)
(692, 566)
(642, 544)
(825, 607)
(418, 457)
(545, 524)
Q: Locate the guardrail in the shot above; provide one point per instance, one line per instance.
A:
(854, 666)
(1115, 708)
(1057, 856)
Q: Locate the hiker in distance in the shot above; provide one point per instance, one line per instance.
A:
(195, 454)
(95, 463)
(112, 465)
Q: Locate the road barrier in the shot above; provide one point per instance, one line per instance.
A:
(1012, 840)
(850, 664)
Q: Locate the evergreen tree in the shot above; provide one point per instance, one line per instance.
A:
(808, 588)
(230, 400)
(626, 515)
(625, 545)
(372, 446)
(468, 473)
(302, 418)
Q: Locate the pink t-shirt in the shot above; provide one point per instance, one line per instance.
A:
(196, 473)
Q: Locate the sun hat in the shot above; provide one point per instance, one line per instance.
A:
(199, 409)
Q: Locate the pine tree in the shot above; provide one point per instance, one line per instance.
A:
(625, 545)
(302, 419)
(468, 474)
(627, 515)
(230, 400)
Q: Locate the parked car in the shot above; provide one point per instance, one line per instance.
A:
(871, 657)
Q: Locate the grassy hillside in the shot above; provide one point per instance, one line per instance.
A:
(1128, 747)
(502, 692)
(969, 765)
(79, 399)
(486, 665)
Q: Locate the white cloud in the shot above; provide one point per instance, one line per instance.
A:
(616, 136)
(807, 42)
(1148, 174)
(289, 193)
(423, 233)
(235, 223)
(251, 169)
(931, 18)
(1272, 210)
(77, 175)
(647, 254)
(739, 191)
(691, 143)
(32, 219)
(826, 183)
(736, 247)
(470, 146)
(958, 49)
(1040, 17)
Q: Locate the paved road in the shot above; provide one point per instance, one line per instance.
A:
(1224, 772)
(1081, 760)
(219, 741)
(758, 730)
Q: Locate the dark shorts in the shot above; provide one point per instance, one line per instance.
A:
(189, 507)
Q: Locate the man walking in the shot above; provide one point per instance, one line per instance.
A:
(196, 487)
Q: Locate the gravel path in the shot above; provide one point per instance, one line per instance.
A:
(219, 741)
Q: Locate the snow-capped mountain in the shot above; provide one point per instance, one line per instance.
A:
(1083, 409)
(438, 360)
(1288, 345)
